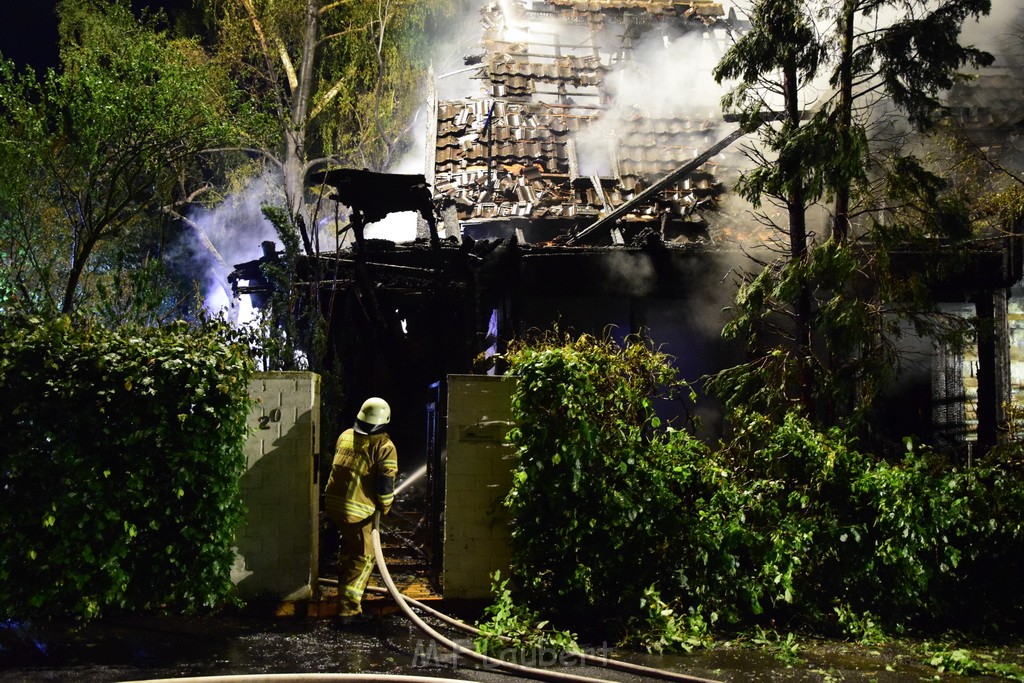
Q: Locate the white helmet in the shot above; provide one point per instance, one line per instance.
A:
(375, 411)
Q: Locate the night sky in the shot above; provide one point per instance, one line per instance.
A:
(28, 29)
(28, 32)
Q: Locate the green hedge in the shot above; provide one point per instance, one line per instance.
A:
(785, 523)
(122, 452)
(590, 476)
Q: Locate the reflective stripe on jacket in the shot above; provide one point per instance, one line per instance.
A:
(362, 476)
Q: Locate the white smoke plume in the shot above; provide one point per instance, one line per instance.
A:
(1000, 31)
(667, 78)
(633, 272)
(452, 79)
(228, 234)
(233, 231)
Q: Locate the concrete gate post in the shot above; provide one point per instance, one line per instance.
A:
(277, 548)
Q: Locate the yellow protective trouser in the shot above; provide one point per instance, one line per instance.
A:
(355, 562)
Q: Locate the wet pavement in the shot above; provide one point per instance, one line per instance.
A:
(177, 647)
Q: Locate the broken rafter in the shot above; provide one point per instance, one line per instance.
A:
(612, 218)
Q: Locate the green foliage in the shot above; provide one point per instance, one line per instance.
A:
(120, 466)
(948, 659)
(99, 147)
(141, 293)
(920, 56)
(377, 72)
(511, 625)
(786, 522)
(590, 477)
(863, 628)
(660, 628)
(908, 56)
(786, 649)
(340, 81)
(905, 541)
(822, 333)
(781, 49)
(781, 34)
(862, 306)
(854, 359)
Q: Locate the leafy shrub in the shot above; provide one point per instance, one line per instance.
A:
(786, 522)
(589, 477)
(948, 659)
(860, 627)
(660, 628)
(785, 649)
(515, 626)
(120, 467)
(825, 531)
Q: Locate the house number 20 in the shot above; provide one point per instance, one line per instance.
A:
(273, 416)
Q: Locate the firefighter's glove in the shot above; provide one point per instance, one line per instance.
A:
(386, 493)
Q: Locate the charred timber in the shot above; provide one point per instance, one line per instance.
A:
(373, 196)
(651, 192)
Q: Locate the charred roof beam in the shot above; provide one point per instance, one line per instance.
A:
(373, 196)
(610, 220)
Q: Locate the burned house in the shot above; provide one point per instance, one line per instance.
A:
(521, 177)
(586, 186)
(560, 138)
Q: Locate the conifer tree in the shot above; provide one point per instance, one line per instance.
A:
(822, 340)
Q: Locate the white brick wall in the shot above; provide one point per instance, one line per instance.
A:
(478, 474)
(276, 549)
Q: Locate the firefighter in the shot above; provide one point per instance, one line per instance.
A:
(362, 482)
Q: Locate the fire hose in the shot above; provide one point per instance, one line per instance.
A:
(405, 604)
(469, 653)
(582, 657)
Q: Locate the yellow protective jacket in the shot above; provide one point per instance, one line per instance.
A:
(362, 477)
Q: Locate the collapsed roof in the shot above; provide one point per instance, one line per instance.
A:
(560, 137)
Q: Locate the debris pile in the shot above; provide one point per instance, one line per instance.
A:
(548, 150)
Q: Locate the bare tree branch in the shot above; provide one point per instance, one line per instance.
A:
(200, 235)
(289, 68)
(327, 98)
(332, 5)
(248, 150)
(332, 36)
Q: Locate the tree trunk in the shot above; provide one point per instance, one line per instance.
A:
(795, 200)
(841, 220)
(78, 261)
(296, 130)
(68, 304)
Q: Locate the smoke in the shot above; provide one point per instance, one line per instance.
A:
(998, 32)
(233, 231)
(657, 75)
(223, 236)
(667, 78)
(633, 272)
(453, 78)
